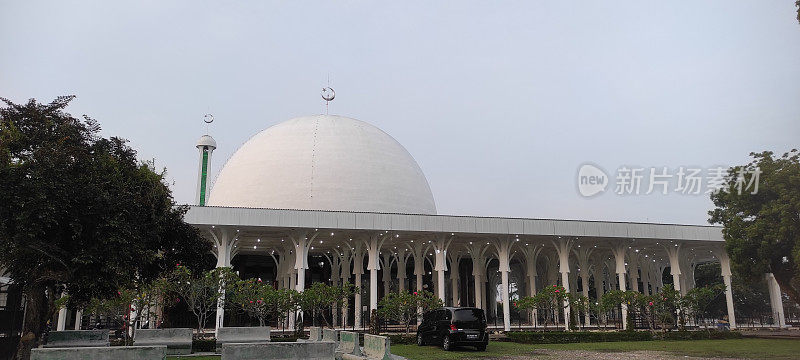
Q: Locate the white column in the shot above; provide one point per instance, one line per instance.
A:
(401, 270)
(503, 247)
(454, 275)
(673, 251)
(585, 284)
(478, 295)
(225, 242)
(387, 272)
(344, 267)
(454, 286)
(440, 245)
(302, 242)
(598, 287)
(373, 290)
(776, 300)
(725, 266)
(583, 255)
(418, 251)
(357, 302)
(563, 248)
(633, 271)
(62, 316)
(531, 255)
(292, 285)
(619, 259)
(373, 265)
(78, 318)
(358, 269)
(506, 301)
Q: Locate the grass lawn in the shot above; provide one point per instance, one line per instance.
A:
(742, 348)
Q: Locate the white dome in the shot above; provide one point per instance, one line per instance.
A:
(324, 162)
(207, 140)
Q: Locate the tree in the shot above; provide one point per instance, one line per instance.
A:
(548, 301)
(698, 299)
(404, 307)
(612, 300)
(79, 213)
(255, 298)
(577, 304)
(320, 297)
(129, 306)
(202, 292)
(664, 305)
(761, 225)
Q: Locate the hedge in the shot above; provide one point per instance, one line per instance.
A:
(698, 335)
(402, 339)
(562, 337)
(204, 345)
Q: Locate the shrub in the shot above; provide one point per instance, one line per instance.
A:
(561, 337)
(700, 335)
(402, 339)
(204, 345)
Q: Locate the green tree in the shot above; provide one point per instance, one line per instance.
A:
(320, 297)
(130, 306)
(404, 307)
(202, 291)
(549, 301)
(255, 298)
(699, 299)
(79, 213)
(762, 228)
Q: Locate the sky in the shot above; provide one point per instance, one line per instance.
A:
(500, 103)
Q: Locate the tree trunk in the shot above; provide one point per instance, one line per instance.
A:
(34, 323)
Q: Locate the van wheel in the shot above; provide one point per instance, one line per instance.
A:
(420, 340)
(446, 345)
(481, 347)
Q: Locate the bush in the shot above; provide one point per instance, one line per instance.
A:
(204, 345)
(562, 337)
(402, 339)
(699, 335)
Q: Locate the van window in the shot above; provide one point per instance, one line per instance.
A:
(468, 317)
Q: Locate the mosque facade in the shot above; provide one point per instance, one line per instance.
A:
(333, 199)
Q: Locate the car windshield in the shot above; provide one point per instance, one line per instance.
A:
(468, 317)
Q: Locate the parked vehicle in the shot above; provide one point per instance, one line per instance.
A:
(453, 326)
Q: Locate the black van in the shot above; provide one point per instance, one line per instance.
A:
(452, 326)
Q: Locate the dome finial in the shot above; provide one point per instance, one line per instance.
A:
(328, 94)
(208, 119)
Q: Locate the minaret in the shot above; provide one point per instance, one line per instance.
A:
(206, 146)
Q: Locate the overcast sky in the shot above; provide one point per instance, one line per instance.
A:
(499, 103)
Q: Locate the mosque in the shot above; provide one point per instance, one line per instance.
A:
(332, 199)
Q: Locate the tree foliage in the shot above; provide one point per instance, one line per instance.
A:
(762, 228)
(320, 297)
(404, 307)
(548, 302)
(79, 212)
(256, 298)
(202, 291)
